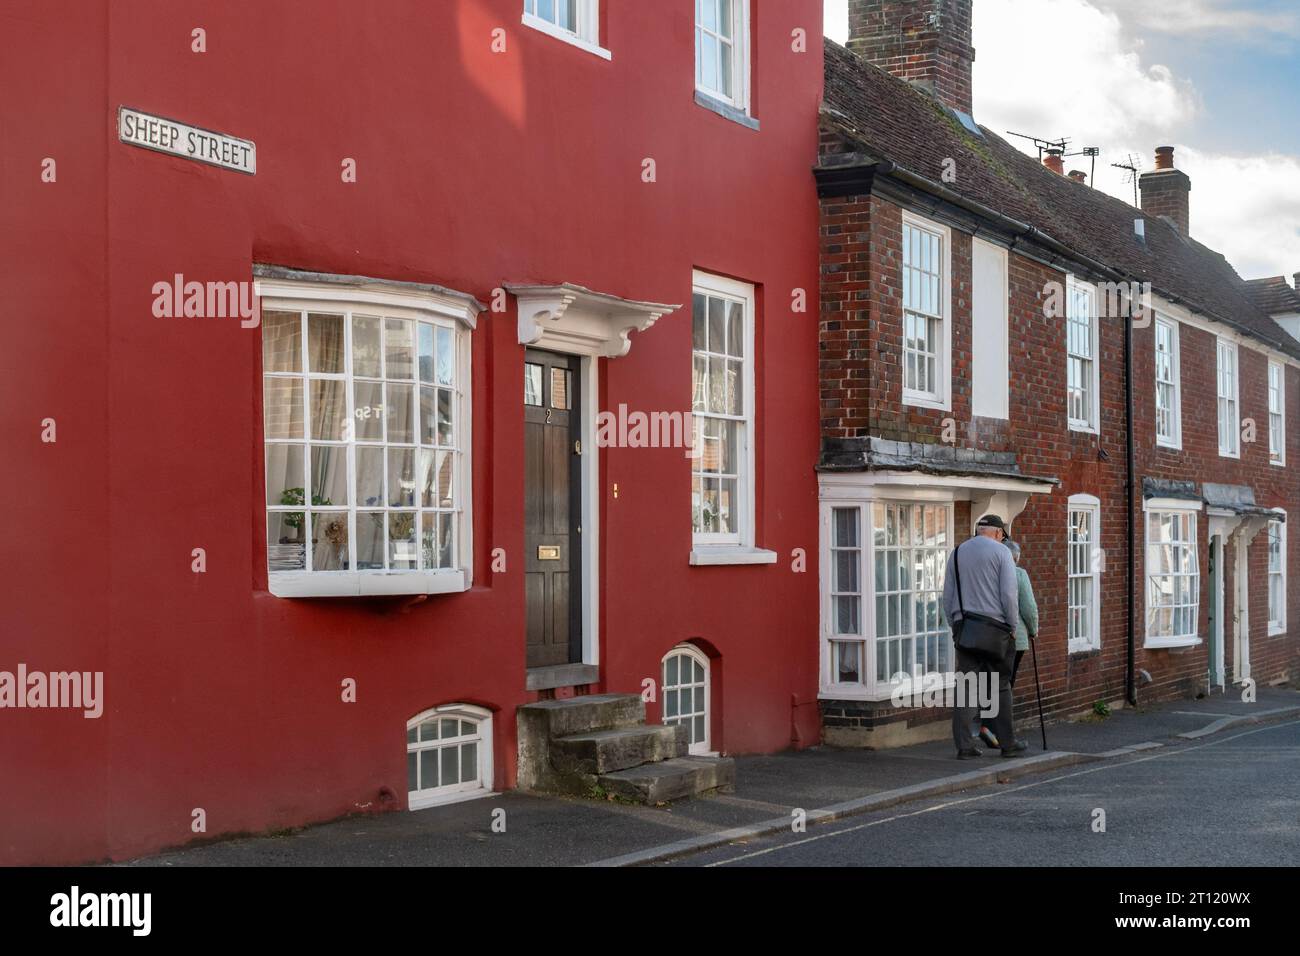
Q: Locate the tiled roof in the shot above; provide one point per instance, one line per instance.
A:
(1274, 296)
(889, 119)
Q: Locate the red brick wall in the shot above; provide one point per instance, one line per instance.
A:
(861, 395)
(1272, 658)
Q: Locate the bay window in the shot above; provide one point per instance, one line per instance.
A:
(366, 421)
(882, 617)
(1173, 574)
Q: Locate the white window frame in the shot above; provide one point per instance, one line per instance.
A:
(1277, 626)
(703, 747)
(1225, 401)
(870, 688)
(941, 397)
(740, 59)
(1092, 424)
(1174, 440)
(1174, 506)
(1090, 505)
(390, 300)
(481, 717)
(736, 547)
(585, 37)
(1277, 411)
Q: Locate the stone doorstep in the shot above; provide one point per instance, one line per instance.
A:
(579, 715)
(672, 779)
(605, 751)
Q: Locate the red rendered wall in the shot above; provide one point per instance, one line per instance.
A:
(473, 169)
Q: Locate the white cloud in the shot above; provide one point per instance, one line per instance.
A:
(1210, 19)
(1075, 68)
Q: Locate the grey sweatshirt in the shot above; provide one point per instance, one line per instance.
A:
(988, 582)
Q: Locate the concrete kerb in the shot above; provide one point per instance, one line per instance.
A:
(849, 808)
(933, 788)
(1279, 713)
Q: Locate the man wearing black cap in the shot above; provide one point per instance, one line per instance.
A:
(989, 591)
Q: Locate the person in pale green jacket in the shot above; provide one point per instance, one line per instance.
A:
(1026, 625)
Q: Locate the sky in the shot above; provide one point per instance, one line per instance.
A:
(1217, 79)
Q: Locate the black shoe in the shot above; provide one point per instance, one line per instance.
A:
(1018, 749)
(970, 754)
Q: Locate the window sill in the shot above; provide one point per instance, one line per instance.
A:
(306, 584)
(1080, 428)
(858, 692)
(424, 803)
(1236, 456)
(1170, 643)
(550, 29)
(917, 400)
(1169, 445)
(1280, 464)
(1276, 630)
(725, 110)
(710, 554)
(1082, 648)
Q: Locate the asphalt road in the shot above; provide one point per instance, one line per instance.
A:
(1231, 800)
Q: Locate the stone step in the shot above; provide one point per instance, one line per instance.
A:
(542, 723)
(604, 751)
(581, 715)
(672, 779)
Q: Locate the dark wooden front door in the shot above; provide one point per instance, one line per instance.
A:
(552, 508)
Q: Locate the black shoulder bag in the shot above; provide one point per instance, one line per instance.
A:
(978, 634)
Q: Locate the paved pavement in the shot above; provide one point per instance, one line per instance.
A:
(828, 784)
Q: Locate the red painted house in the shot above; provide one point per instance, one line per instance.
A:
(323, 309)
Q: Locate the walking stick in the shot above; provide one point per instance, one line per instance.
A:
(1042, 724)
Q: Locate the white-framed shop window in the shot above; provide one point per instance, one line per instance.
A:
(366, 438)
(1277, 596)
(1083, 376)
(1228, 404)
(1083, 544)
(573, 21)
(1173, 570)
(722, 48)
(686, 694)
(1169, 402)
(722, 403)
(448, 755)
(883, 565)
(1277, 413)
(927, 313)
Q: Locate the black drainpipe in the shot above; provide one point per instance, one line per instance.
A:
(1130, 685)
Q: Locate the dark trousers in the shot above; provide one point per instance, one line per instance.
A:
(962, 717)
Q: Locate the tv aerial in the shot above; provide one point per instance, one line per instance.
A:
(1132, 170)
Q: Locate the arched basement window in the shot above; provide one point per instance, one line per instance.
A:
(448, 755)
(686, 694)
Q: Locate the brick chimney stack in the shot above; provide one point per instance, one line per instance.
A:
(1054, 161)
(1165, 191)
(1079, 176)
(926, 42)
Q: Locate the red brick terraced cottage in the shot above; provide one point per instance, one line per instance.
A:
(352, 409)
(976, 314)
